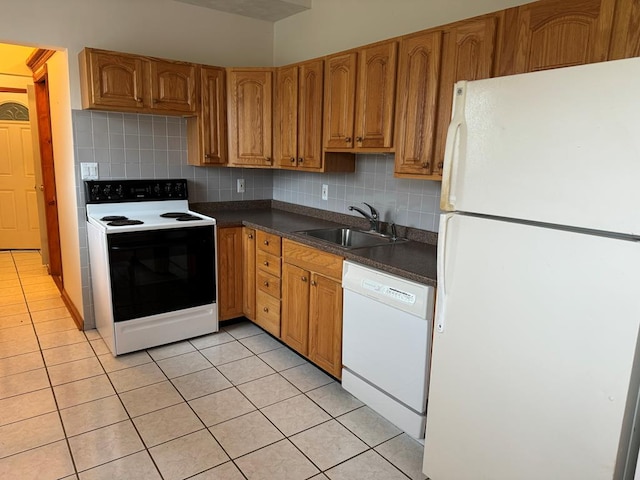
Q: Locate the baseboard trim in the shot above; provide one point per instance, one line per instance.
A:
(75, 314)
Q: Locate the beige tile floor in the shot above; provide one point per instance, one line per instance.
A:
(233, 405)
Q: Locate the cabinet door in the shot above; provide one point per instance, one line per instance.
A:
(249, 115)
(295, 308)
(625, 39)
(115, 80)
(555, 33)
(339, 100)
(213, 116)
(310, 90)
(173, 86)
(467, 54)
(376, 96)
(230, 272)
(325, 324)
(249, 273)
(417, 101)
(286, 117)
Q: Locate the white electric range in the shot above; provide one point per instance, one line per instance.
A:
(153, 263)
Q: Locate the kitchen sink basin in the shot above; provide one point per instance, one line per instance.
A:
(351, 238)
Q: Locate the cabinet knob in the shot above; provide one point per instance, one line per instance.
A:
(303, 278)
(251, 236)
(266, 264)
(425, 165)
(208, 155)
(265, 309)
(440, 165)
(314, 283)
(266, 242)
(301, 160)
(266, 284)
(138, 100)
(359, 139)
(347, 139)
(268, 160)
(293, 160)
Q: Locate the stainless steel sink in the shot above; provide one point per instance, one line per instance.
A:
(351, 238)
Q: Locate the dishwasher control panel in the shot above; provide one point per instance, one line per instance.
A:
(387, 291)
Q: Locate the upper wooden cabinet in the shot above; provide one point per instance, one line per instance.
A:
(625, 39)
(298, 116)
(555, 33)
(417, 101)
(359, 115)
(376, 96)
(467, 54)
(123, 82)
(207, 133)
(249, 100)
(339, 100)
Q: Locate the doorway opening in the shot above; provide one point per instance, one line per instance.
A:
(37, 159)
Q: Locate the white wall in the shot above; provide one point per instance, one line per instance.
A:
(161, 28)
(335, 25)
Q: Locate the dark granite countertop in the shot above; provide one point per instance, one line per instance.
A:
(414, 260)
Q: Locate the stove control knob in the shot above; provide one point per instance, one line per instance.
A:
(107, 191)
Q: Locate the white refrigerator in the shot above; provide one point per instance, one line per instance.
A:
(535, 365)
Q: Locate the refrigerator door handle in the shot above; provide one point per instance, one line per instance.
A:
(441, 295)
(450, 166)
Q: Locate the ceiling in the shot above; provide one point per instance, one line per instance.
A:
(269, 10)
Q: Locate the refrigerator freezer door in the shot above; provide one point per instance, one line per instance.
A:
(534, 375)
(560, 146)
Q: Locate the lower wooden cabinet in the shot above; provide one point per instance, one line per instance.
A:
(325, 324)
(267, 284)
(230, 277)
(249, 273)
(311, 320)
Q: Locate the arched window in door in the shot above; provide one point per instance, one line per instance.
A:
(13, 111)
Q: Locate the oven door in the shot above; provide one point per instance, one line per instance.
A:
(161, 271)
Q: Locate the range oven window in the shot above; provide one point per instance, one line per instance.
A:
(160, 271)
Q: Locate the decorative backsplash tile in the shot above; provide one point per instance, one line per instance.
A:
(413, 203)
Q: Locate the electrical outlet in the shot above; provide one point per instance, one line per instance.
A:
(325, 191)
(241, 185)
(89, 171)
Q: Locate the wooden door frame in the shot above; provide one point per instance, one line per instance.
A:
(37, 63)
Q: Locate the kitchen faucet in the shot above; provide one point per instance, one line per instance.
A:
(373, 217)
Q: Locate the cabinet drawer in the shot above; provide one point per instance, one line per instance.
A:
(312, 259)
(268, 243)
(268, 313)
(268, 263)
(268, 283)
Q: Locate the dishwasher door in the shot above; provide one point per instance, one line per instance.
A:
(387, 324)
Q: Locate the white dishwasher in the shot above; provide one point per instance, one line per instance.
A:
(386, 344)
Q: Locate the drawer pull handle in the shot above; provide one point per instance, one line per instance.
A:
(304, 279)
(266, 284)
(265, 309)
(266, 264)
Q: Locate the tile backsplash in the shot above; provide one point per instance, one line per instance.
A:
(413, 203)
(128, 145)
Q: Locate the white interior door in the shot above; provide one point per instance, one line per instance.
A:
(19, 225)
(533, 374)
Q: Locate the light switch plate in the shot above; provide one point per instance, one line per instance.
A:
(89, 171)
